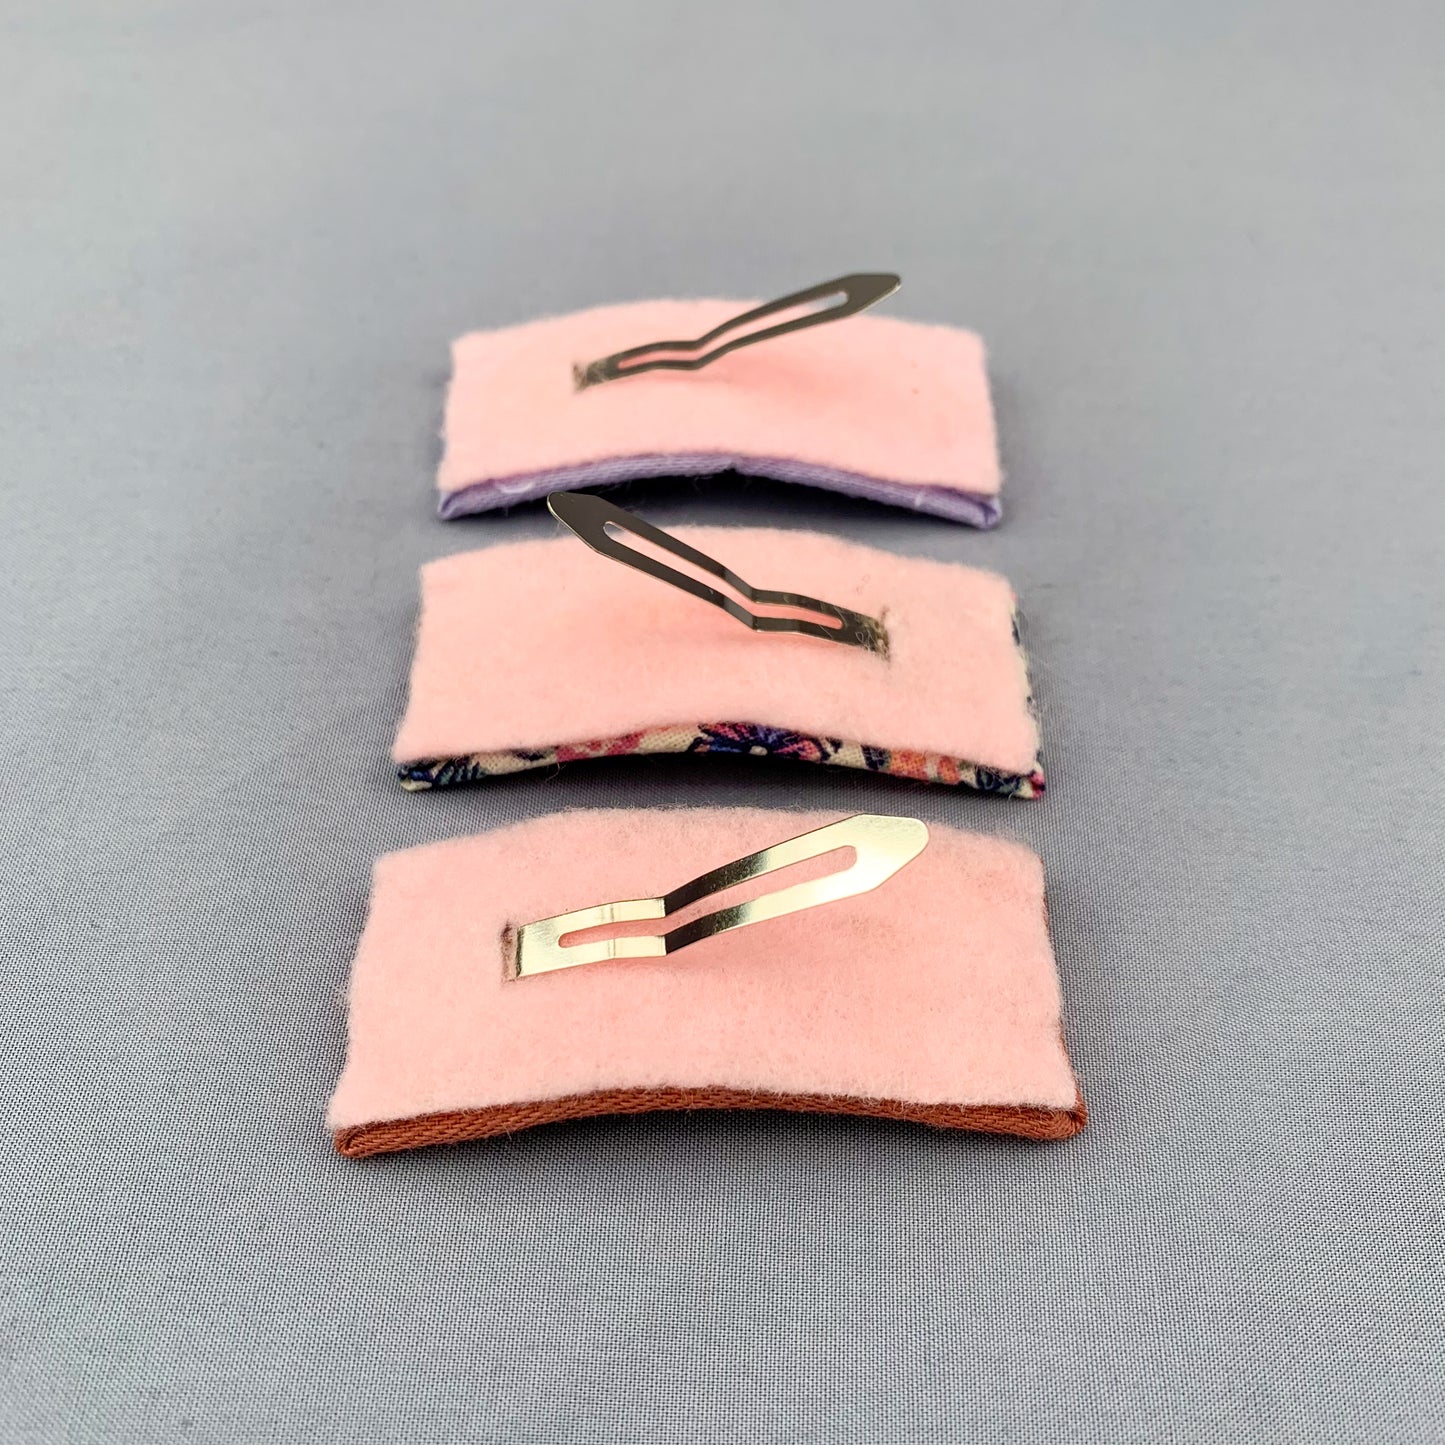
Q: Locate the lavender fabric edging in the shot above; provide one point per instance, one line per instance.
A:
(972, 509)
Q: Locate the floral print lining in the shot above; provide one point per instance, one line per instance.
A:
(752, 739)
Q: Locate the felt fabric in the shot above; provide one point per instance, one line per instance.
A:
(543, 651)
(461, 1126)
(895, 411)
(747, 739)
(934, 997)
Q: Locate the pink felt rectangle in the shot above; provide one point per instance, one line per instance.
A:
(937, 988)
(545, 651)
(873, 406)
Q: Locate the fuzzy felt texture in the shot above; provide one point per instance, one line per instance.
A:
(932, 996)
(895, 411)
(529, 647)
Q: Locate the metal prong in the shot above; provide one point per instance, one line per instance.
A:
(588, 517)
(859, 291)
(883, 844)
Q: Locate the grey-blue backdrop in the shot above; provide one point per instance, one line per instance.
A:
(1204, 242)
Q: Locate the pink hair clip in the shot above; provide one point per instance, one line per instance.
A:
(871, 406)
(916, 982)
(535, 653)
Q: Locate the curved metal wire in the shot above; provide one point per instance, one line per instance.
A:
(860, 291)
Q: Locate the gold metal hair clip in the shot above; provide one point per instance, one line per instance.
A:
(859, 292)
(883, 844)
(589, 516)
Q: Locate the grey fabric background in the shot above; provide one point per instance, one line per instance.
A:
(1205, 244)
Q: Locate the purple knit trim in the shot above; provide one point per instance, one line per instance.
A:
(973, 509)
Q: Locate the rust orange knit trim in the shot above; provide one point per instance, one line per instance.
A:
(457, 1126)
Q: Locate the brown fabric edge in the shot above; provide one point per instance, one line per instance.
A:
(459, 1126)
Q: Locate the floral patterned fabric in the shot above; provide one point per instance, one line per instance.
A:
(751, 738)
